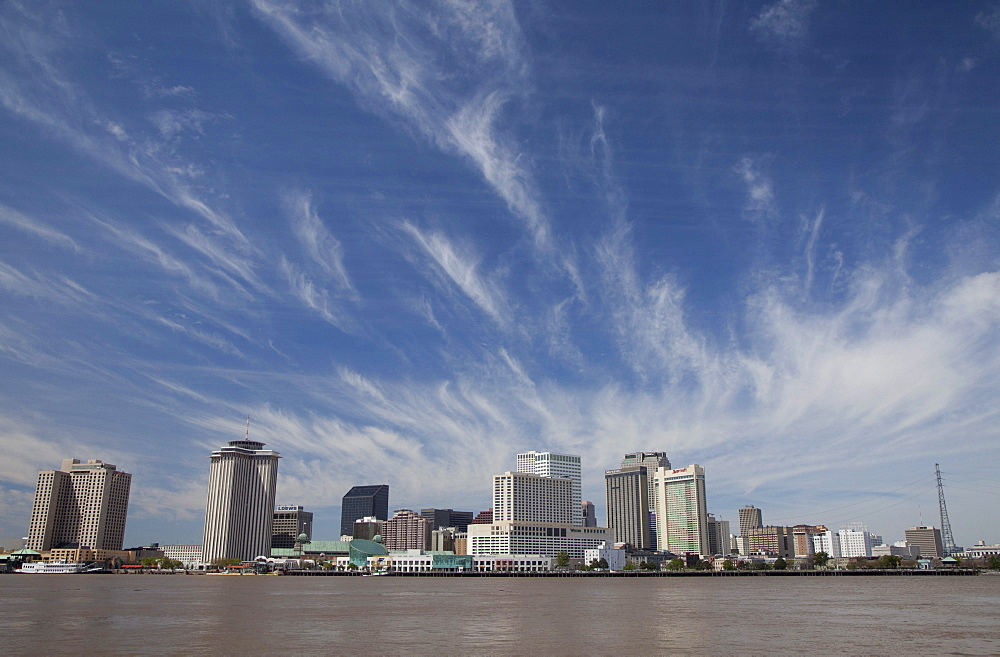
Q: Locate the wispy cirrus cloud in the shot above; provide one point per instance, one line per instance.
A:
(459, 266)
(783, 25)
(323, 249)
(34, 227)
(399, 61)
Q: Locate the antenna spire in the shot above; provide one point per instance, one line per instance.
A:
(946, 537)
(248, 427)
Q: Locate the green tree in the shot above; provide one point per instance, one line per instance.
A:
(352, 566)
(889, 561)
(993, 562)
(820, 559)
(602, 563)
(562, 559)
(225, 562)
(762, 565)
(150, 562)
(780, 564)
(728, 565)
(629, 565)
(676, 564)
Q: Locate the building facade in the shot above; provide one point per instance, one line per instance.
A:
(681, 511)
(520, 496)
(750, 518)
(651, 461)
(80, 505)
(544, 538)
(288, 523)
(928, 539)
(406, 530)
(562, 466)
(362, 501)
(628, 505)
(367, 528)
(718, 535)
(189, 555)
(589, 514)
(447, 518)
(239, 512)
(856, 541)
(777, 541)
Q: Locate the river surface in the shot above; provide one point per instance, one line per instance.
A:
(206, 615)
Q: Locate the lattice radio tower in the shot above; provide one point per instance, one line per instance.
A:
(946, 537)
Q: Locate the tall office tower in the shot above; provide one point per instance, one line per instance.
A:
(928, 539)
(779, 541)
(80, 505)
(627, 494)
(681, 514)
(362, 501)
(652, 461)
(549, 464)
(718, 535)
(750, 518)
(589, 514)
(288, 523)
(406, 530)
(239, 513)
(523, 496)
(447, 518)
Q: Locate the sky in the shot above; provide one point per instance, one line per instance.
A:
(410, 240)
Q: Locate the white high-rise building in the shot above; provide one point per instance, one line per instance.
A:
(550, 464)
(855, 541)
(240, 508)
(519, 496)
(828, 542)
(681, 510)
(80, 504)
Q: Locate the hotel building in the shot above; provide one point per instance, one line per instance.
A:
(239, 513)
(681, 514)
(288, 523)
(563, 466)
(80, 505)
(628, 505)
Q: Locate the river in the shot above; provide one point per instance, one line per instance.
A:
(206, 615)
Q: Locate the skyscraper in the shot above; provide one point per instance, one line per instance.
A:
(80, 505)
(406, 530)
(362, 502)
(447, 518)
(627, 491)
(928, 539)
(530, 497)
(550, 464)
(288, 523)
(589, 514)
(652, 461)
(681, 514)
(239, 513)
(750, 518)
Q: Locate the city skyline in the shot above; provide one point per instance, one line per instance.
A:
(413, 240)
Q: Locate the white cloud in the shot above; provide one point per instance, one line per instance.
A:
(783, 25)
(319, 244)
(759, 187)
(14, 218)
(461, 267)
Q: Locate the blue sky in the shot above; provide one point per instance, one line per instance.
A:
(411, 240)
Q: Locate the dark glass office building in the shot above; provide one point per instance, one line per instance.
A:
(363, 501)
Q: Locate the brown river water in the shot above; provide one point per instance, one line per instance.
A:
(206, 615)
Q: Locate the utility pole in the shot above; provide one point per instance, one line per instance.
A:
(946, 537)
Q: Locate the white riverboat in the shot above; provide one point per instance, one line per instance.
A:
(52, 568)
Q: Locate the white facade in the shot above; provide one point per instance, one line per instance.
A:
(614, 557)
(529, 497)
(681, 513)
(189, 555)
(239, 512)
(828, 542)
(544, 538)
(550, 464)
(855, 542)
(81, 503)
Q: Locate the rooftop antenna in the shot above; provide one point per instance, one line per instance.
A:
(248, 427)
(946, 537)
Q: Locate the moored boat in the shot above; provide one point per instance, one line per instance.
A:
(51, 568)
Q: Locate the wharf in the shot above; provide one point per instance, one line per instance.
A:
(951, 572)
